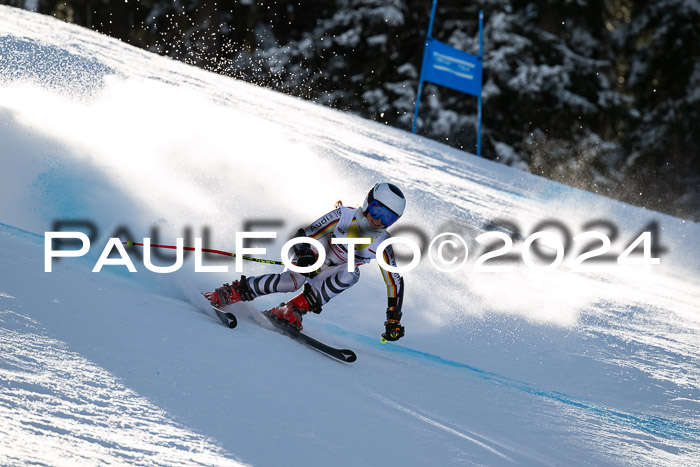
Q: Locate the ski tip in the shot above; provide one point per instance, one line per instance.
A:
(229, 319)
(232, 321)
(348, 355)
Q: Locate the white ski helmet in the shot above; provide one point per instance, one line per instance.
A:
(387, 194)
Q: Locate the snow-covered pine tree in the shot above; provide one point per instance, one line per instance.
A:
(657, 53)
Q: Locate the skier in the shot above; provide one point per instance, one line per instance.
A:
(383, 205)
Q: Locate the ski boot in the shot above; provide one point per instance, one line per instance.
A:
(294, 309)
(230, 293)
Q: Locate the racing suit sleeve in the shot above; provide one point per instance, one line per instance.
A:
(322, 226)
(394, 286)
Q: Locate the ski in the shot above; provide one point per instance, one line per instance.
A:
(345, 355)
(202, 303)
(229, 319)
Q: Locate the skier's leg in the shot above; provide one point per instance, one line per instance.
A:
(248, 288)
(333, 281)
(317, 292)
(287, 281)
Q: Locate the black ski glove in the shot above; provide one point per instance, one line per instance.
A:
(394, 330)
(305, 255)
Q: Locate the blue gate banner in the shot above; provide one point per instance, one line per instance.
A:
(452, 68)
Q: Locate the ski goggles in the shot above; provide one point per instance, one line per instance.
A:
(382, 213)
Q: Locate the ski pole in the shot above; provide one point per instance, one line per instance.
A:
(207, 250)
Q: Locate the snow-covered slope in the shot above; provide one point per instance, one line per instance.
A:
(525, 367)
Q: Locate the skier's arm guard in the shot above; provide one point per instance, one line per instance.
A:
(394, 286)
(393, 310)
